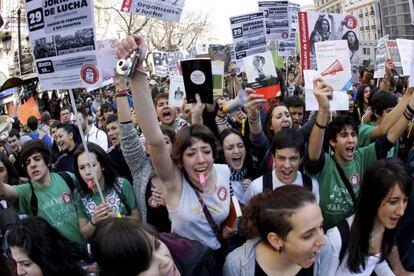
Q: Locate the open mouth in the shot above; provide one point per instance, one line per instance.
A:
(166, 114)
(237, 161)
(350, 150)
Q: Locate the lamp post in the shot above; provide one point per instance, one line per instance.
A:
(6, 41)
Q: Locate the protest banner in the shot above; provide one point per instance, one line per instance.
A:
(334, 64)
(164, 62)
(276, 18)
(249, 34)
(380, 57)
(177, 91)
(169, 10)
(287, 47)
(220, 61)
(405, 48)
(315, 27)
(394, 54)
(24, 111)
(62, 37)
(339, 100)
(261, 74)
(294, 10)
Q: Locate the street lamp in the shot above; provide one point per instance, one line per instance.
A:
(6, 41)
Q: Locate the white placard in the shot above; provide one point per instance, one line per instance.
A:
(277, 19)
(161, 9)
(166, 62)
(334, 64)
(62, 37)
(177, 91)
(380, 57)
(339, 100)
(405, 47)
(249, 34)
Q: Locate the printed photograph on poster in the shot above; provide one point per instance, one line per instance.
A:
(44, 47)
(333, 64)
(261, 74)
(62, 40)
(315, 27)
(80, 41)
(249, 34)
(176, 92)
(169, 10)
(393, 53)
(276, 18)
(380, 57)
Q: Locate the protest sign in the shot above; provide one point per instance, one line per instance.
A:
(294, 10)
(393, 53)
(177, 91)
(405, 47)
(197, 76)
(62, 37)
(161, 9)
(276, 14)
(165, 62)
(249, 34)
(287, 47)
(315, 27)
(339, 100)
(380, 57)
(220, 61)
(333, 63)
(261, 74)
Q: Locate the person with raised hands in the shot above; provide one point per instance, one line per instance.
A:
(339, 175)
(196, 191)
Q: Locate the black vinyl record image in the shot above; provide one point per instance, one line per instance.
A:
(198, 78)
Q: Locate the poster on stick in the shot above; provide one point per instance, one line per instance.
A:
(62, 38)
(169, 10)
(276, 14)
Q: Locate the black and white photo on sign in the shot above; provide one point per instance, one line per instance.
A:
(176, 91)
(44, 47)
(82, 40)
(259, 67)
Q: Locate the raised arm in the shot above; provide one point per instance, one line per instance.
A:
(323, 94)
(391, 118)
(147, 118)
(401, 125)
(8, 192)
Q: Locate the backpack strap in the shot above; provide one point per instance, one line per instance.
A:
(121, 196)
(343, 228)
(268, 181)
(33, 201)
(68, 179)
(346, 182)
(307, 182)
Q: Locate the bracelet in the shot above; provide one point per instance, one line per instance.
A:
(254, 120)
(408, 116)
(320, 126)
(410, 109)
(93, 224)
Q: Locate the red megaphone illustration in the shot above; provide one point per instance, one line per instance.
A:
(333, 69)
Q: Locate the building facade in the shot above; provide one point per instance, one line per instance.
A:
(396, 19)
(330, 6)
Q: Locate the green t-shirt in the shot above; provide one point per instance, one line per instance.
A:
(335, 201)
(86, 206)
(364, 139)
(54, 204)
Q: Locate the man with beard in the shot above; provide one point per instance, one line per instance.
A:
(166, 114)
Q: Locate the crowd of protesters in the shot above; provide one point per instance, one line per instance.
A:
(322, 193)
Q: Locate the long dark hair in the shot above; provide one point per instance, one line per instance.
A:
(53, 253)
(248, 161)
(108, 168)
(355, 46)
(12, 173)
(123, 246)
(382, 176)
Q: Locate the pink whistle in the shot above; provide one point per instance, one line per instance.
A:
(90, 184)
(202, 180)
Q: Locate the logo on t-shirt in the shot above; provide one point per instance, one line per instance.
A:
(66, 198)
(354, 179)
(222, 193)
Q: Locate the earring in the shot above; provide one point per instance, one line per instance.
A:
(280, 249)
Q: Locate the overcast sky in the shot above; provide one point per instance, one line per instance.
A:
(221, 10)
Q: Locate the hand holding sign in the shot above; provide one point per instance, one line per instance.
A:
(323, 93)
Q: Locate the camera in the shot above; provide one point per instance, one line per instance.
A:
(126, 67)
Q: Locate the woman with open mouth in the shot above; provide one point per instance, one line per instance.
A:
(362, 243)
(285, 227)
(196, 190)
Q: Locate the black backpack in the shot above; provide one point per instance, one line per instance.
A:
(268, 181)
